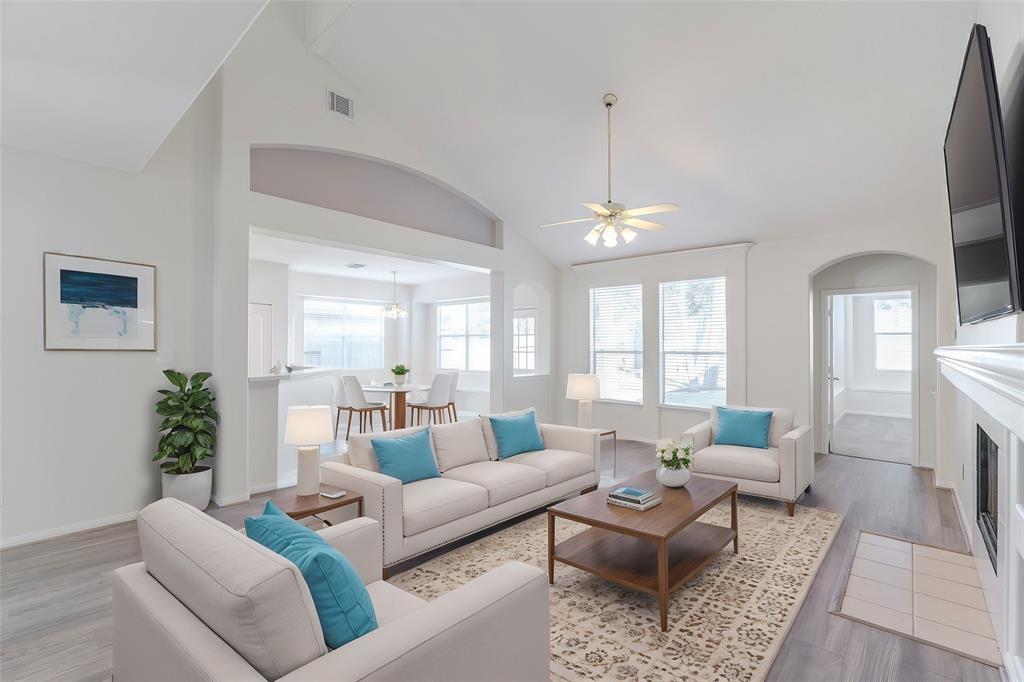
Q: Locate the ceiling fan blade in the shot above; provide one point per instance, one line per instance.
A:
(567, 222)
(648, 210)
(642, 224)
(598, 209)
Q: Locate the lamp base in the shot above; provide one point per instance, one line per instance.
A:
(583, 420)
(308, 482)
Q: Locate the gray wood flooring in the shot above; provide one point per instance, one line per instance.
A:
(55, 595)
(873, 437)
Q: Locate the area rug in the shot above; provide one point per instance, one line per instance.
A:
(725, 624)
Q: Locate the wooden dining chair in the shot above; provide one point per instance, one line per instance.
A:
(356, 402)
(436, 404)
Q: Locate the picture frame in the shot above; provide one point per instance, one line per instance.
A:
(98, 304)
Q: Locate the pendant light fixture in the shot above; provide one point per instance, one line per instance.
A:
(395, 310)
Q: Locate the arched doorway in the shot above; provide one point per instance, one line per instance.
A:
(874, 375)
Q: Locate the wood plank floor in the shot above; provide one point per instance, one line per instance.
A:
(55, 595)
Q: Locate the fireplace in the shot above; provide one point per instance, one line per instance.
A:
(987, 494)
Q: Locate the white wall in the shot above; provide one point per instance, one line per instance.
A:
(268, 283)
(650, 420)
(79, 427)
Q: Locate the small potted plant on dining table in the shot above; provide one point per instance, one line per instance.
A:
(401, 372)
(673, 463)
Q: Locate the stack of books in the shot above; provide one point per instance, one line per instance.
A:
(634, 498)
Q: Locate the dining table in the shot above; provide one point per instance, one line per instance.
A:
(396, 399)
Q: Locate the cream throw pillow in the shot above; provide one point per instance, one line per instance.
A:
(458, 444)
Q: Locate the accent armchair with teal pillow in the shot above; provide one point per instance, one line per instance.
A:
(516, 434)
(747, 428)
(408, 459)
(342, 603)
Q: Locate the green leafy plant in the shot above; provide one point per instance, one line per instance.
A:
(190, 421)
(400, 370)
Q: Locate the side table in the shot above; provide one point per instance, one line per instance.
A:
(301, 506)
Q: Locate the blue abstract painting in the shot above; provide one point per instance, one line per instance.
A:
(114, 294)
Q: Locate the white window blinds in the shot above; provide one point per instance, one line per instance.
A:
(342, 334)
(893, 334)
(524, 341)
(693, 342)
(616, 341)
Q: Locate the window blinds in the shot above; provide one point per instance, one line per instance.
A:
(893, 334)
(342, 334)
(616, 341)
(693, 342)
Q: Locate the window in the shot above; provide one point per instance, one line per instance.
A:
(464, 336)
(342, 334)
(693, 350)
(524, 341)
(617, 341)
(893, 340)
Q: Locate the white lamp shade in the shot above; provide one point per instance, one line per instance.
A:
(583, 387)
(308, 425)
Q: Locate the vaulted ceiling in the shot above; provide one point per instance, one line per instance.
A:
(105, 82)
(761, 120)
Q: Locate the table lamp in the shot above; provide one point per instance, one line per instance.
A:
(308, 427)
(585, 388)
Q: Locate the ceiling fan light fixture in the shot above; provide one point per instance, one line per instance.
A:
(628, 234)
(593, 236)
(611, 238)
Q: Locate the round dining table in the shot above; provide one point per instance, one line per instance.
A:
(396, 399)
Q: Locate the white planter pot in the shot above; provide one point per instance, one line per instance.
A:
(400, 379)
(193, 489)
(673, 478)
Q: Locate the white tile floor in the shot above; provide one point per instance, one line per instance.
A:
(927, 593)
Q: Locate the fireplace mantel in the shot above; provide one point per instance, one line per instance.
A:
(992, 377)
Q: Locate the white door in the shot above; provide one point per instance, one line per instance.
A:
(830, 374)
(261, 338)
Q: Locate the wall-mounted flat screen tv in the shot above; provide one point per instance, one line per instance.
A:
(979, 197)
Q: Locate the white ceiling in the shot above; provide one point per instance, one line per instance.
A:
(105, 82)
(761, 120)
(323, 259)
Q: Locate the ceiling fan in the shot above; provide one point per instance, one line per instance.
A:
(614, 219)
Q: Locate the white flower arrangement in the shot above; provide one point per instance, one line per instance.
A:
(672, 455)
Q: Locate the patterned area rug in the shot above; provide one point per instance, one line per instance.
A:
(725, 624)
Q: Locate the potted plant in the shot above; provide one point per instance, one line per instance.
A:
(673, 463)
(188, 429)
(400, 372)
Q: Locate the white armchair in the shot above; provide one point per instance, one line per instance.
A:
(783, 471)
(207, 603)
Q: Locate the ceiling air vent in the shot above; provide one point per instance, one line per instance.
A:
(339, 105)
(356, 266)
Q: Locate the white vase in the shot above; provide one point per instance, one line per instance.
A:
(673, 478)
(400, 379)
(193, 489)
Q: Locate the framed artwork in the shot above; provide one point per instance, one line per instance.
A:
(98, 304)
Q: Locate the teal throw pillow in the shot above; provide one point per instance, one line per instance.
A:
(409, 458)
(748, 428)
(342, 603)
(517, 434)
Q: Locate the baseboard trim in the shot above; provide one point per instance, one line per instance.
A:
(231, 499)
(51, 533)
(960, 513)
(866, 413)
(266, 488)
(642, 439)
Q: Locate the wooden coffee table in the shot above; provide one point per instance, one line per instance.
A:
(653, 551)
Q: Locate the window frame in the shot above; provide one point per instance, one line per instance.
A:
(464, 303)
(876, 334)
(662, 353)
(638, 354)
(346, 301)
(529, 336)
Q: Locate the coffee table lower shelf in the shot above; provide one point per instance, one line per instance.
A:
(633, 561)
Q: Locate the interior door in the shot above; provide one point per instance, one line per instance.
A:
(830, 378)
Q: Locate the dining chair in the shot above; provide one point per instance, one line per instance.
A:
(451, 394)
(436, 404)
(357, 402)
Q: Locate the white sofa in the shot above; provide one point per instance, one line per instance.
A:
(475, 490)
(207, 603)
(783, 471)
